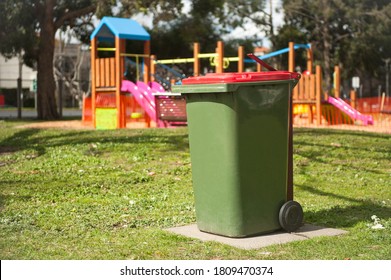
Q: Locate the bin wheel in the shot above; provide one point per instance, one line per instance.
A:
(291, 216)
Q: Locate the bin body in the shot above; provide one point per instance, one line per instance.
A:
(238, 136)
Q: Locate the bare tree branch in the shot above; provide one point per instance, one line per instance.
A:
(74, 14)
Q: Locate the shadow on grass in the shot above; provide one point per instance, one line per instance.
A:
(6, 186)
(334, 133)
(358, 210)
(21, 140)
(3, 198)
(327, 132)
(40, 139)
(325, 146)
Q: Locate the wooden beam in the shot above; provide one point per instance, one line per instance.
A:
(337, 81)
(119, 45)
(291, 68)
(147, 61)
(259, 67)
(318, 72)
(309, 61)
(353, 99)
(241, 59)
(291, 57)
(112, 72)
(196, 63)
(220, 57)
(93, 77)
(153, 67)
(107, 72)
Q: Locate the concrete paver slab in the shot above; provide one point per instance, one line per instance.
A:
(255, 242)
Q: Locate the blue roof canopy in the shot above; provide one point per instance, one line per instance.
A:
(111, 27)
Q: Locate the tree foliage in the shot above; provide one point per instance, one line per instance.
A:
(28, 28)
(234, 13)
(206, 22)
(352, 33)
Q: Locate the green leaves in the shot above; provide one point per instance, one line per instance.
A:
(353, 34)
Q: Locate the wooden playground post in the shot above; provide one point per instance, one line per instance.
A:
(353, 99)
(93, 85)
(220, 57)
(318, 71)
(147, 60)
(119, 67)
(123, 111)
(291, 57)
(153, 67)
(241, 59)
(196, 51)
(383, 99)
(291, 67)
(309, 61)
(337, 81)
(147, 67)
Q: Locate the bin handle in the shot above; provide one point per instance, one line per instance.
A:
(263, 63)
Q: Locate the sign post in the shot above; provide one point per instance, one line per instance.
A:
(355, 82)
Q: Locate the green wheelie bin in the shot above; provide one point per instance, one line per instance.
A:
(238, 135)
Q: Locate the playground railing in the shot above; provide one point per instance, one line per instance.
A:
(305, 89)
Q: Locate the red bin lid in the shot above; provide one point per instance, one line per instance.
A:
(245, 77)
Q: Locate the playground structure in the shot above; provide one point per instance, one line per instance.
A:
(116, 102)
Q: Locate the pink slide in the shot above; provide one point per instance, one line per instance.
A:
(142, 95)
(350, 111)
(147, 91)
(156, 87)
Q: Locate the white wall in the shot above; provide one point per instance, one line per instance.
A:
(9, 73)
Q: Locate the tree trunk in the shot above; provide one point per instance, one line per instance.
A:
(327, 68)
(47, 109)
(326, 50)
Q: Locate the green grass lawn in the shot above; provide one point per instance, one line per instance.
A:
(67, 194)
